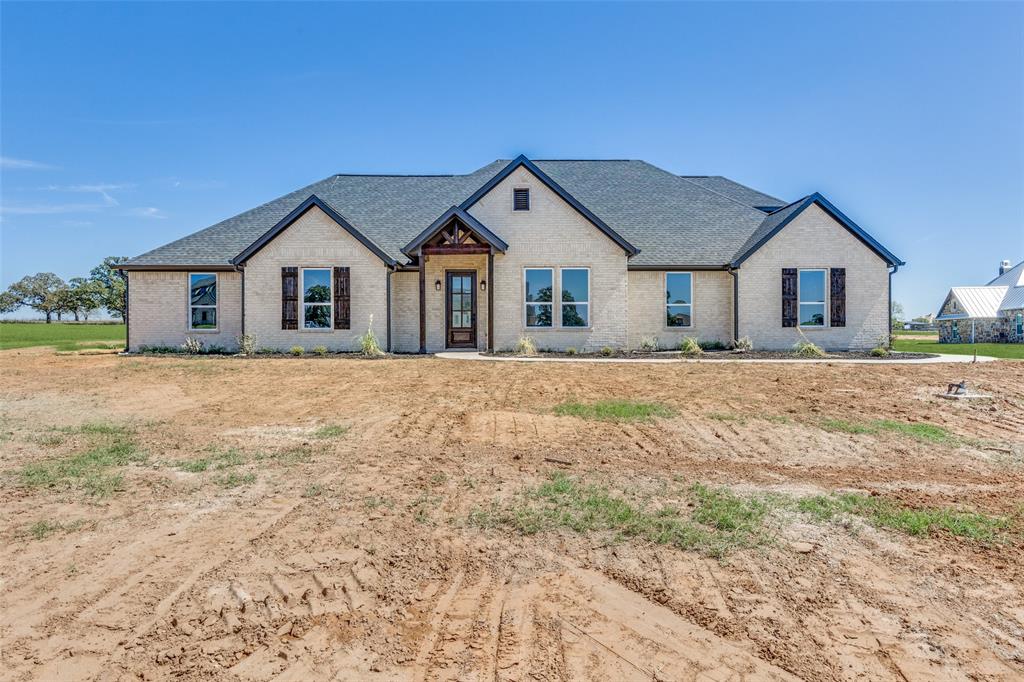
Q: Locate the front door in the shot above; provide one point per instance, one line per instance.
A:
(460, 309)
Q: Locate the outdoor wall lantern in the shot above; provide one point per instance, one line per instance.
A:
(437, 285)
(483, 285)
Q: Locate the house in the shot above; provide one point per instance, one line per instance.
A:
(993, 313)
(582, 254)
(925, 323)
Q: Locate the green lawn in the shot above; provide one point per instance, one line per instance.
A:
(1012, 351)
(909, 332)
(60, 335)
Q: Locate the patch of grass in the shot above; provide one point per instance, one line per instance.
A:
(719, 521)
(331, 431)
(297, 454)
(726, 417)
(42, 529)
(111, 446)
(614, 410)
(234, 479)
(375, 501)
(918, 522)
(63, 336)
(217, 460)
(920, 431)
(314, 490)
(1008, 351)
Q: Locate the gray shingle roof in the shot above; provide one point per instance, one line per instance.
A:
(733, 189)
(672, 220)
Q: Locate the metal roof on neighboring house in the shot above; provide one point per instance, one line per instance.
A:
(699, 221)
(976, 302)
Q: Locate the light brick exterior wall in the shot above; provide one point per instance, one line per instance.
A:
(405, 312)
(814, 240)
(158, 310)
(436, 268)
(551, 234)
(711, 312)
(314, 240)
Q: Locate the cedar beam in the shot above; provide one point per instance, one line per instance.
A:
(459, 249)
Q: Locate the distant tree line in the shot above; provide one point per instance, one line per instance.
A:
(80, 297)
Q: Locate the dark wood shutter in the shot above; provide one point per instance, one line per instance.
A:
(342, 299)
(837, 297)
(789, 302)
(289, 298)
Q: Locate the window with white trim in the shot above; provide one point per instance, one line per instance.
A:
(811, 295)
(202, 301)
(317, 298)
(538, 286)
(575, 296)
(678, 299)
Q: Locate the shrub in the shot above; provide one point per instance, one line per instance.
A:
(525, 346)
(711, 345)
(806, 349)
(649, 343)
(247, 344)
(192, 345)
(320, 350)
(690, 346)
(879, 352)
(368, 344)
(607, 351)
(743, 344)
(296, 350)
(571, 350)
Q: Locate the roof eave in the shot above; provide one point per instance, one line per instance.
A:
(493, 240)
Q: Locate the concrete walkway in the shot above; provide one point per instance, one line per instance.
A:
(474, 355)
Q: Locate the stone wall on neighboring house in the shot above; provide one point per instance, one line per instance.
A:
(1012, 334)
(985, 330)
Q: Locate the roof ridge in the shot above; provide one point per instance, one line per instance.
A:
(708, 189)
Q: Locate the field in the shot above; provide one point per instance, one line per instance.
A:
(170, 518)
(62, 336)
(1012, 351)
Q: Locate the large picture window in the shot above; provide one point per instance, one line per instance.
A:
(678, 299)
(538, 294)
(202, 300)
(811, 292)
(575, 297)
(316, 298)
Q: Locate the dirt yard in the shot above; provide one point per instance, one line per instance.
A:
(337, 519)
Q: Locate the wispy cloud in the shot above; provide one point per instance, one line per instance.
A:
(8, 163)
(146, 212)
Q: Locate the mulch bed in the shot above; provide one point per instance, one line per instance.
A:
(722, 355)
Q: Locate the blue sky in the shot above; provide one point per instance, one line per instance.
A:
(125, 126)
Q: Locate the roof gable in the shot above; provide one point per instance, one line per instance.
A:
(557, 189)
(312, 202)
(974, 302)
(774, 222)
(446, 218)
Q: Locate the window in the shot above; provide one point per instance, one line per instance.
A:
(811, 294)
(202, 300)
(575, 297)
(1019, 319)
(539, 283)
(678, 299)
(955, 330)
(521, 199)
(316, 298)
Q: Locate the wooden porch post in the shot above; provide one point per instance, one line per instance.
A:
(490, 299)
(423, 302)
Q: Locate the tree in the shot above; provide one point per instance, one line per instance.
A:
(112, 284)
(897, 315)
(9, 302)
(83, 297)
(43, 291)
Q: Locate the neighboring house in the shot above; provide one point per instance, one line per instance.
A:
(925, 323)
(582, 254)
(993, 313)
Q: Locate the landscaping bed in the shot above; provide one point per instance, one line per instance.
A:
(718, 355)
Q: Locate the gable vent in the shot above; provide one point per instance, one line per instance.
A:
(521, 199)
